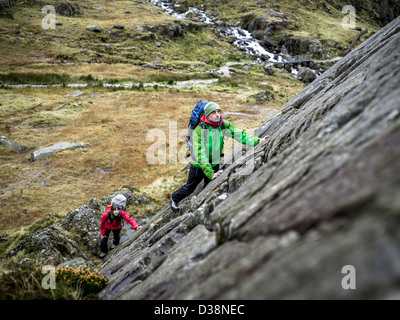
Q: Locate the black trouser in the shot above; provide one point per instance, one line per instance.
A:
(196, 175)
(104, 241)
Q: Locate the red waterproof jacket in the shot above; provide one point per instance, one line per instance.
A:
(115, 224)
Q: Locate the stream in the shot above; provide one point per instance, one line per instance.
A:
(242, 39)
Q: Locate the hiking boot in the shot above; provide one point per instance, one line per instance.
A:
(174, 206)
(113, 246)
(103, 254)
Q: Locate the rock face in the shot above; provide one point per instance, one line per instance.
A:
(286, 217)
(306, 75)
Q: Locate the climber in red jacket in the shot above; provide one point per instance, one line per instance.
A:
(111, 221)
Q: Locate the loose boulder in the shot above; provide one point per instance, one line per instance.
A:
(287, 218)
(48, 151)
(68, 9)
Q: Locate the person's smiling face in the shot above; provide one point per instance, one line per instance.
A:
(215, 116)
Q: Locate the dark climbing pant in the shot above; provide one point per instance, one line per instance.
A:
(104, 241)
(196, 175)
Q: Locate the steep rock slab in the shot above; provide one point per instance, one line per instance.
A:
(322, 193)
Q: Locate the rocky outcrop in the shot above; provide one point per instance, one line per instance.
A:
(50, 246)
(299, 46)
(54, 244)
(286, 217)
(85, 222)
(74, 240)
(68, 9)
(306, 75)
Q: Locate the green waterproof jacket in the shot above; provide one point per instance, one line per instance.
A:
(208, 143)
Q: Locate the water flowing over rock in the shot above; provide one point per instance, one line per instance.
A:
(286, 217)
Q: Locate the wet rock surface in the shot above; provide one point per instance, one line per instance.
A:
(285, 217)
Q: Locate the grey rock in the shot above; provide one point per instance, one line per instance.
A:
(61, 243)
(85, 223)
(68, 9)
(285, 217)
(131, 197)
(119, 26)
(46, 152)
(306, 75)
(270, 71)
(76, 93)
(50, 246)
(10, 144)
(94, 28)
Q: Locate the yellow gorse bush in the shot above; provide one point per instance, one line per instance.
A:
(90, 281)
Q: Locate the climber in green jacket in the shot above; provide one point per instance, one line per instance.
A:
(208, 143)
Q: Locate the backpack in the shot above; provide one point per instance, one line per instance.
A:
(194, 121)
